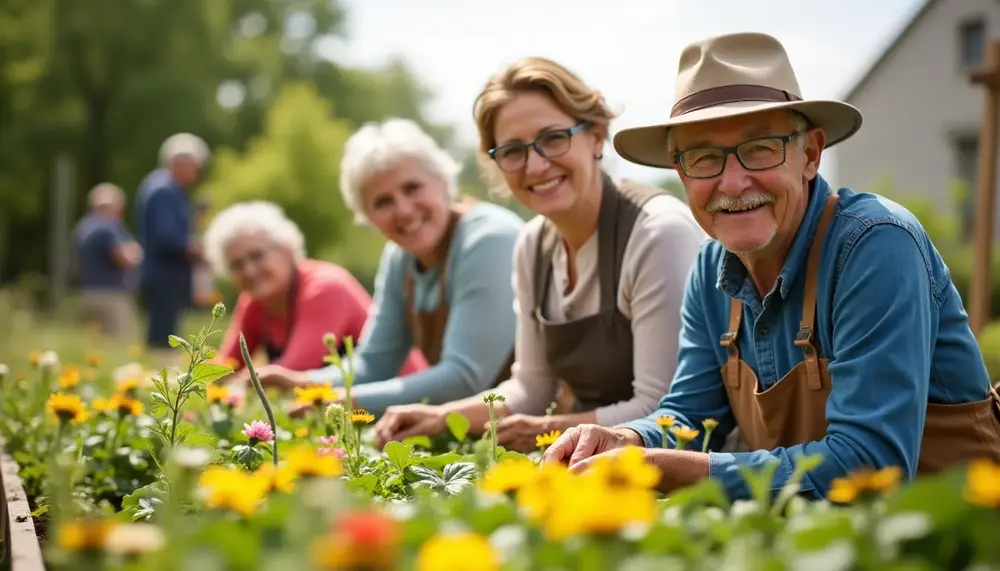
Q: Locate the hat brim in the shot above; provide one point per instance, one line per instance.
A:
(647, 146)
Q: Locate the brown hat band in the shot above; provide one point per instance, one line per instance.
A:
(730, 94)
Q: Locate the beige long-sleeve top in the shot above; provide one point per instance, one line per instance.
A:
(661, 250)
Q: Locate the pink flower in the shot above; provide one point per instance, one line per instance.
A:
(327, 440)
(337, 451)
(231, 400)
(258, 431)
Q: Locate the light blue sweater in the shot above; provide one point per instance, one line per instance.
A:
(480, 333)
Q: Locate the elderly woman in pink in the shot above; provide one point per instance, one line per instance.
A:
(287, 302)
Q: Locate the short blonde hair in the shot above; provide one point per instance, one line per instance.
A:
(535, 75)
(375, 147)
(256, 216)
(184, 144)
(106, 194)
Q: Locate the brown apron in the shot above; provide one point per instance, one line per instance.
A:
(428, 327)
(793, 411)
(592, 355)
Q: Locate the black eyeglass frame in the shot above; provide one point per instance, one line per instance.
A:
(735, 150)
(569, 132)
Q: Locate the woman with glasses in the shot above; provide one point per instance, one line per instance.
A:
(286, 301)
(598, 275)
(443, 284)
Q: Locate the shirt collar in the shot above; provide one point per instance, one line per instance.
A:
(733, 278)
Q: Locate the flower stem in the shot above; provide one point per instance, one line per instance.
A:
(263, 397)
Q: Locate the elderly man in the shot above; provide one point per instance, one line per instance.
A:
(816, 321)
(105, 255)
(164, 216)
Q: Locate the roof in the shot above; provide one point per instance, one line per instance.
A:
(891, 48)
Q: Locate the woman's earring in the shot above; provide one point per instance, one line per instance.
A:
(599, 156)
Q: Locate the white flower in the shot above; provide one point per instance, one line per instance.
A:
(4, 371)
(135, 539)
(49, 360)
(191, 458)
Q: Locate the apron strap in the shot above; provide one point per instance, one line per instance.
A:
(805, 338)
(729, 341)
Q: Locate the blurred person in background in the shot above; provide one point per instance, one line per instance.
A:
(287, 302)
(164, 223)
(443, 283)
(598, 275)
(106, 255)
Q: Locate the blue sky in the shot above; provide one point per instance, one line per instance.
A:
(627, 48)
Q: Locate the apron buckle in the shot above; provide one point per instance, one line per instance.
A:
(803, 340)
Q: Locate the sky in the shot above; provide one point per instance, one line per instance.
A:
(627, 49)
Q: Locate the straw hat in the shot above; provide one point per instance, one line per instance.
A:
(730, 76)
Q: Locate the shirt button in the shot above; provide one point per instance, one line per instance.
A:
(763, 331)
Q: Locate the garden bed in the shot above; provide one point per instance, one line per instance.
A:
(21, 549)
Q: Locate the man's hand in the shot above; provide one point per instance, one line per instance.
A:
(401, 422)
(275, 376)
(586, 440)
(518, 431)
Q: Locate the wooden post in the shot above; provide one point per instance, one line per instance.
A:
(986, 179)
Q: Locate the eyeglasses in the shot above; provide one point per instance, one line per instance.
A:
(755, 155)
(514, 156)
(256, 256)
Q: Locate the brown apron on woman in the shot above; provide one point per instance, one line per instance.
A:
(592, 355)
(428, 327)
(793, 411)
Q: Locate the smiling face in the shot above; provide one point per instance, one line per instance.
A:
(259, 266)
(750, 211)
(558, 184)
(410, 206)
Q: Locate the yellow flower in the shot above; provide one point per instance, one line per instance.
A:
(982, 484)
(34, 358)
(102, 406)
(509, 476)
(306, 461)
(126, 405)
(538, 496)
(69, 377)
(543, 440)
(628, 469)
(863, 483)
(360, 416)
(84, 534)
(665, 422)
(302, 432)
(216, 393)
(232, 489)
(709, 424)
(464, 551)
(94, 359)
(280, 479)
(316, 395)
(127, 385)
(683, 434)
(363, 539)
(67, 408)
(607, 511)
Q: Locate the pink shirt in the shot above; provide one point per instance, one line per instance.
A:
(329, 300)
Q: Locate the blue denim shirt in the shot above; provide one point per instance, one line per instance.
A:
(888, 318)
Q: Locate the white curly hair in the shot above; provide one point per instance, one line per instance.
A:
(258, 215)
(375, 147)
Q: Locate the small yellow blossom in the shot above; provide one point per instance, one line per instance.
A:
(709, 424)
(360, 416)
(34, 358)
(683, 434)
(126, 405)
(127, 385)
(67, 408)
(280, 479)
(628, 468)
(982, 484)
(864, 482)
(316, 395)
(84, 534)
(94, 359)
(302, 432)
(547, 439)
(306, 461)
(69, 377)
(665, 422)
(509, 476)
(102, 406)
(232, 489)
(464, 551)
(216, 393)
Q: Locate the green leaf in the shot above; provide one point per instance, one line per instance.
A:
(458, 425)
(206, 373)
(176, 341)
(419, 441)
(398, 454)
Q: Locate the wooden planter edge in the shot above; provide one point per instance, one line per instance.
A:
(20, 544)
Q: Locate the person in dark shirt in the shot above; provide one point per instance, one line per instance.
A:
(164, 218)
(106, 255)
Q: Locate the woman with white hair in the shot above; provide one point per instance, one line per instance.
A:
(287, 302)
(443, 284)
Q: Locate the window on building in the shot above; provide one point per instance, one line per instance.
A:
(966, 165)
(972, 43)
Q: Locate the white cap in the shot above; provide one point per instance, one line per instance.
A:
(106, 194)
(183, 144)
